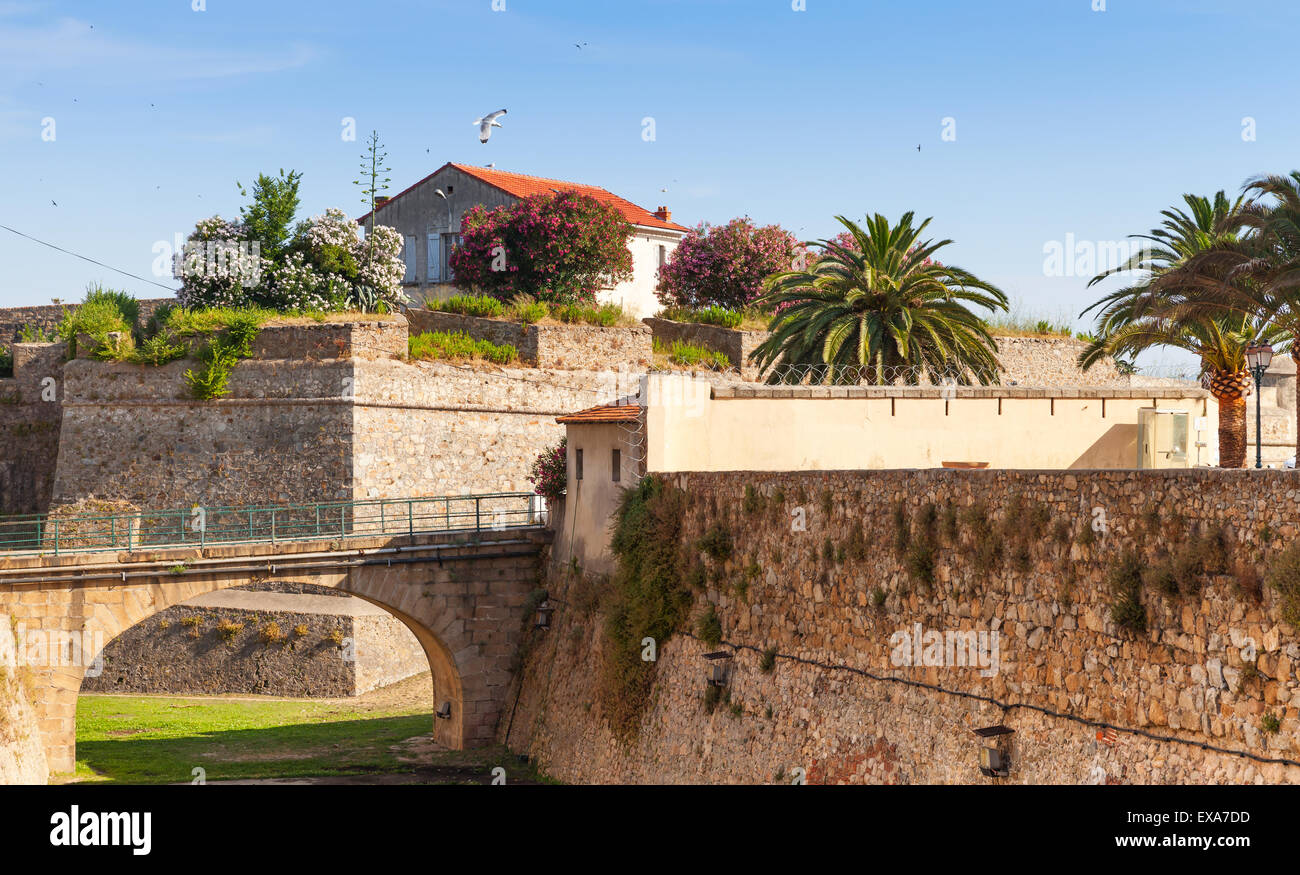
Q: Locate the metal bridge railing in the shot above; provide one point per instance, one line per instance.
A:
(199, 526)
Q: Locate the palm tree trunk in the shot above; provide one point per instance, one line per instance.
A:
(1230, 391)
(1295, 356)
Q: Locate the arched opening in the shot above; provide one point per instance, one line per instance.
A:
(217, 677)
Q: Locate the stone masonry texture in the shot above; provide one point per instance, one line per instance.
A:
(1213, 661)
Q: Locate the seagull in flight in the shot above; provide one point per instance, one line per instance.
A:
(487, 123)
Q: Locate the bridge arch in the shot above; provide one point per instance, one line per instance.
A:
(463, 599)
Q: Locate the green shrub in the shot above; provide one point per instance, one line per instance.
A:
(1284, 576)
(647, 597)
(753, 502)
(716, 542)
(123, 302)
(902, 529)
(1126, 593)
(158, 350)
(100, 315)
(1270, 723)
(988, 545)
(454, 345)
(603, 315)
(6, 362)
(471, 305)
(709, 627)
(529, 310)
(691, 355)
(767, 661)
(878, 598)
(1161, 578)
(948, 525)
(37, 334)
(212, 381)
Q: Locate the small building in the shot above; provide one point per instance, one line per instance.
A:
(429, 213)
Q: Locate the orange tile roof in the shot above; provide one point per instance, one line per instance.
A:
(523, 186)
(603, 413)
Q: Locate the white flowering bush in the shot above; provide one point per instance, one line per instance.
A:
(327, 267)
(219, 266)
(297, 285)
(381, 266)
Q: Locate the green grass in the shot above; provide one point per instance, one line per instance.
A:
(471, 305)
(743, 320)
(692, 355)
(436, 345)
(528, 310)
(150, 740)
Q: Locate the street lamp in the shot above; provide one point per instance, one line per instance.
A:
(1258, 357)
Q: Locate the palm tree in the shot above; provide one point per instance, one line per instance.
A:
(1171, 306)
(876, 306)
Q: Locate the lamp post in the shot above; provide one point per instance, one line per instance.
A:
(1258, 357)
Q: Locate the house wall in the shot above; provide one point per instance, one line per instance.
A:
(420, 213)
(583, 532)
(637, 295)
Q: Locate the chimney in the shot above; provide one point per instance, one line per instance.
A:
(663, 214)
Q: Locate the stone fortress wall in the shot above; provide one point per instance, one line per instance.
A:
(1188, 700)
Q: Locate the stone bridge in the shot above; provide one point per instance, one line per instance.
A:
(461, 592)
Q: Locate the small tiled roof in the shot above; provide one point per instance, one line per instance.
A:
(603, 413)
(522, 186)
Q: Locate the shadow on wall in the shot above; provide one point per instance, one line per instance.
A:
(1119, 442)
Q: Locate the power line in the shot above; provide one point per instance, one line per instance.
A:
(84, 258)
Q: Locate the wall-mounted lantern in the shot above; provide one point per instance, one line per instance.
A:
(995, 762)
(444, 711)
(719, 667)
(544, 611)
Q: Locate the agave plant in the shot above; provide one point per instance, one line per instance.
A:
(875, 305)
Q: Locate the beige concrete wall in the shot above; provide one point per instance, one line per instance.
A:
(691, 428)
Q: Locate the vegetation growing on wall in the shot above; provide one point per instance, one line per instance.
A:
(457, 345)
(648, 599)
(1125, 581)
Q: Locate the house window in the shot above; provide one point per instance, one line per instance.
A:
(433, 260)
(618, 465)
(409, 276)
(450, 242)
(577, 464)
(663, 257)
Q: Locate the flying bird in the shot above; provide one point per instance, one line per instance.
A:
(53, 203)
(487, 123)
(580, 45)
(918, 147)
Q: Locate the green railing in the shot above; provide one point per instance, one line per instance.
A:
(198, 526)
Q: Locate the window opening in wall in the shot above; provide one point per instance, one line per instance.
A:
(618, 465)
(577, 464)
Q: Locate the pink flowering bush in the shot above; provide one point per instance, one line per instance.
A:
(550, 471)
(725, 265)
(559, 248)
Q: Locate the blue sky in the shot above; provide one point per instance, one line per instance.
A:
(1067, 120)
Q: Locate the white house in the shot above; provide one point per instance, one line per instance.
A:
(429, 213)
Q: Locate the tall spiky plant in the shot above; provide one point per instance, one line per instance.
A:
(372, 167)
(1168, 307)
(877, 304)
